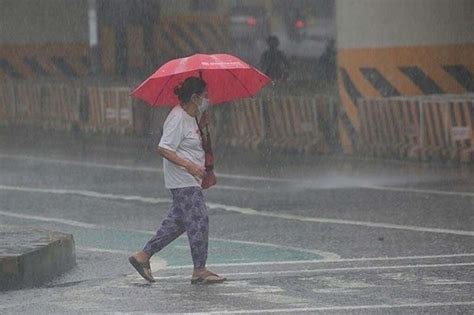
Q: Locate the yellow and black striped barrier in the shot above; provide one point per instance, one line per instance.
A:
(31, 61)
(173, 37)
(399, 71)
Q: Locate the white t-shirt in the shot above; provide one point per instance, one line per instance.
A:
(181, 135)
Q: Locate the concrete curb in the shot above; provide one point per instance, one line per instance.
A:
(31, 256)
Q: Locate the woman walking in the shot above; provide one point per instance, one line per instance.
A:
(183, 166)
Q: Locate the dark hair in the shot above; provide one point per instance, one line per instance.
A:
(190, 86)
(273, 41)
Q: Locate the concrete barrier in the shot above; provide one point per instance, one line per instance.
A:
(30, 256)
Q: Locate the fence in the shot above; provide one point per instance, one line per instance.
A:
(437, 127)
(38, 105)
(60, 106)
(286, 123)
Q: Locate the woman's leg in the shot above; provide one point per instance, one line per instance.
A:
(171, 228)
(197, 226)
(196, 221)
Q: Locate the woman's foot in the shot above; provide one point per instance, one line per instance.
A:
(141, 262)
(204, 276)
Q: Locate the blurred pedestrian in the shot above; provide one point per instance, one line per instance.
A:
(183, 166)
(273, 61)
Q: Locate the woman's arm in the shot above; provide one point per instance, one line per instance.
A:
(191, 167)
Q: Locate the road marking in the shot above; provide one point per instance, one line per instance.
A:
(81, 163)
(227, 187)
(340, 308)
(248, 211)
(327, 256)
(420, 191)
(156, 262)
(56, 220)
(323, 254)
(337, 260)
(342, 269)
(138, 168)
(161, 264)
(449, 283)
(87, 193)
(230, 176)
(103, 250)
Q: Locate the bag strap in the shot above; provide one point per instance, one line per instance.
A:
(206, 126)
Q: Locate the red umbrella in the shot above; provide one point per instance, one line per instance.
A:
(227, 77)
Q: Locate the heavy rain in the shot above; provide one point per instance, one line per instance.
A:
(236, 156)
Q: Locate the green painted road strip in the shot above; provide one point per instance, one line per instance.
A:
(177, 253)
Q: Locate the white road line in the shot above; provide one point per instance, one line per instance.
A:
(325, 255)
(223, 175)
(156, 262)
(227, 187)
(449, 283)
(249, 211)
(55, 220)
(69, 222)
(420, 191)
(103, 250)
(82, 163)
(138, 168)
(87, 193)
(340, 308)
(323, 270)
(323, 261)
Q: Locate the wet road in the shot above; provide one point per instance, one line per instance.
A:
(322, 238)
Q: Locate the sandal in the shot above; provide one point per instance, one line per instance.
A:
(208, 278)
(143, 269)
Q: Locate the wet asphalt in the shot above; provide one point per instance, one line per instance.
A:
(321, 235)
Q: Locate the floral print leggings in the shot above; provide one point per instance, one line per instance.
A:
(188, 213)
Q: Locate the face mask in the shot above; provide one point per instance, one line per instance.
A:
(204, 105)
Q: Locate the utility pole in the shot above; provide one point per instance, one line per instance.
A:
(93, 37)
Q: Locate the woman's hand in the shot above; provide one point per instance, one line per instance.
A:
(195, 170)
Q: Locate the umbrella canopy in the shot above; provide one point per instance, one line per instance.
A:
(227, 77)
